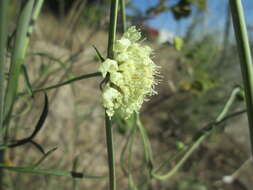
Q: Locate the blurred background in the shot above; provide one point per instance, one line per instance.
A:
(198, 74)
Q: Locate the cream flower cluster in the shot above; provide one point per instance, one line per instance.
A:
(131, 75)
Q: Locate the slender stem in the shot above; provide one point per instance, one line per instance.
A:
(3, 41)
(18, 56)
(127, 147)
(130, 150)
(110, 54)
(200, 139)
(229, 103)
(130, 159)
(181, 161)
(123, 14)
(110, 150)
(147, 146)
(112, 28)
(54, 172)
(86, 76)
(36, 11)
(245, 57)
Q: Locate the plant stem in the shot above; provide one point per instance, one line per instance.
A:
(245, 57)
(228, 104)
(146, 143)
(200, 139)
(128, 148)
(3, 41)
(108, 124)
(123, 14)
(112, 28)
(110, 150)
(36, 11)
(131, 182)
(54, 172)
(86, 76)
(18, 56)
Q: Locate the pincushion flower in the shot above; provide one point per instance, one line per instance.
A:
(131, 75)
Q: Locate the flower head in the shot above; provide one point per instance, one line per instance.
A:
(131, 75)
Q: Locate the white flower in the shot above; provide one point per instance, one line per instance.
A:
(110, 95)
(132, 75)
(122, 45)
(132, 34)
(108, 65)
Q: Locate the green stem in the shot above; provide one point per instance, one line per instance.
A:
(110, 54)
(131, 183)
(228, 104)
(112, 28)
(3, 41)
(34, 17)
(245, 57)
(146, 143)
(128, 148)
(123, 14)
(54, 172)
(181, 161)
(110, 150)
(18, 56)
(86, 76)
(200, 139)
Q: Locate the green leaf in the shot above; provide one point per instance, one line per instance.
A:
(101, 59)
(54, 172)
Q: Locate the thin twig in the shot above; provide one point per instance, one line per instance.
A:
(86, 76)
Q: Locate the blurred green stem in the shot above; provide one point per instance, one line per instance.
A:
(3, 41)
(146, 143)
(128, 148)
(54, 172)
(241, 34)
(199, 140)
(123, 14)
(130, 157)
(18, 56)
(35, 14)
